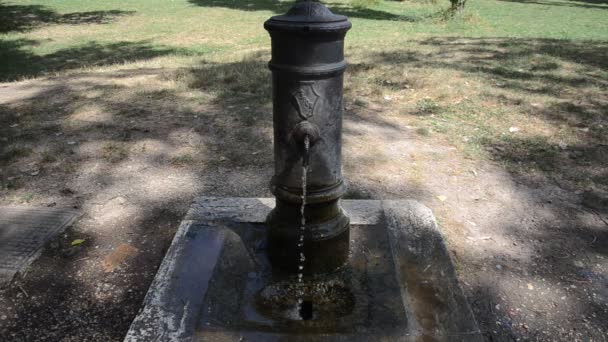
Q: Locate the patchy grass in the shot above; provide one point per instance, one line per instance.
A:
(183, 159)
(138, 89)
(452, 77)
(535, 105)
(427, 106)
(13, 152)
(114, 152)
(545, 80)
(48, 157)
(424, 131)
(40, 37)
(24, 198)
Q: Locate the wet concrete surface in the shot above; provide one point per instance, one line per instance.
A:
(216, 283)
(246, 295)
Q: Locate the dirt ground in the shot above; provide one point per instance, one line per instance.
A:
(531, 252)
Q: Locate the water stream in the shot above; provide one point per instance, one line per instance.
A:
(302, 259)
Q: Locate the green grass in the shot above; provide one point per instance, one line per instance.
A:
(40, 36)
(539, 65)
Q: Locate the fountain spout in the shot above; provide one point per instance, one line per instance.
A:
(307, 67)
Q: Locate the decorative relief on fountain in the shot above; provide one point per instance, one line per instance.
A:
(305, 99)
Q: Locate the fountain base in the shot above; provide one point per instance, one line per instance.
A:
(216, 282)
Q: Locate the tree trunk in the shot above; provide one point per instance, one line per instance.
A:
(457, 5)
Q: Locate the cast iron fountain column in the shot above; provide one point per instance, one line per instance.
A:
(307, 74)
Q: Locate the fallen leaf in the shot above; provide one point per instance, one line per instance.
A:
(121, 254)
(442, 198)
(78, 242)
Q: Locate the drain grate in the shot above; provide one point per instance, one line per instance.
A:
(23, 233)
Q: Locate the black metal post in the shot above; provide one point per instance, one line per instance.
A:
(307, 74)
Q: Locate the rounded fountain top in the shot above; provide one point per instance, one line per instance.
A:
(308, 16)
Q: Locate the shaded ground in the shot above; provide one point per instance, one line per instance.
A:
(22, 63)
(505, 139)
(20, 18)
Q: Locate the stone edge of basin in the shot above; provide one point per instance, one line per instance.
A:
(170, 314)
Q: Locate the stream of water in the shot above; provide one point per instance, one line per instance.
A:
(302, 259)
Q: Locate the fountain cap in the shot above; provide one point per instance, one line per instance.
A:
(308, 16)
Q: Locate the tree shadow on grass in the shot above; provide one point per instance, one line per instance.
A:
(280, 7)
(17, 61)
(74, 297)
(492, 50)
(150, 128)
(20, 18)
(520, 68)
(231, 133)
(593, 4)
(565, 186)
(571, 75)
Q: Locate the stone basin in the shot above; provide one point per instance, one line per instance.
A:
(216, 283)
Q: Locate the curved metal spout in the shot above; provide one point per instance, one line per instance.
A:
(306, 155)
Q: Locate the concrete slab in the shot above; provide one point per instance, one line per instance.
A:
(23, 233)
(216, 285)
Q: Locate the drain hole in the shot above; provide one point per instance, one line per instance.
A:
(319, 301)
(306, 310)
